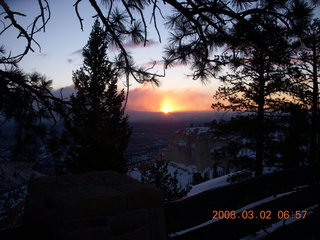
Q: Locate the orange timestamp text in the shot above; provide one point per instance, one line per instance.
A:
(262, 214)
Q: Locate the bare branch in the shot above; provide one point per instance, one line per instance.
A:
(78, 14)
(23, 32)
(6, 28)
(153, 16)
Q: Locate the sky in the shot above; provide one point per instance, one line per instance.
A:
(60, 54)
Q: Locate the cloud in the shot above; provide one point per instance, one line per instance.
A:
(161, 63)
(154, 99)
(177, 64)
(144, 99)
(132, 45)
(147, 99)
(154, 63)
(149, 43)
(74, 56)
(77, 52)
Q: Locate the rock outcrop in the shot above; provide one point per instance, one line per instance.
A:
(193, 146)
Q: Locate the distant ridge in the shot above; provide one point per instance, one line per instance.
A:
(191, 116)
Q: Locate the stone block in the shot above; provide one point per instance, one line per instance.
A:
(140, 233)
(95, 205)
(98, 233)
(129, 221)
(87, 201)
(80, 223)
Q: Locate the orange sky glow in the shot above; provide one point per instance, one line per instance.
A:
(156, 100)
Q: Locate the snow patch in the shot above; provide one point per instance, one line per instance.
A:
(209, 185)
(181, 143)
(196, 130)
(135, 173)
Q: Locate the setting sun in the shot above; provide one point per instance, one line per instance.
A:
(166, 109)
(167, 105)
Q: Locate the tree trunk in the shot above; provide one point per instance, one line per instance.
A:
(314, 148)
(260, 128)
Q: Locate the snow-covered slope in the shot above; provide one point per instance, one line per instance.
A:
(211, 184)
(219, 182)
(185, 174)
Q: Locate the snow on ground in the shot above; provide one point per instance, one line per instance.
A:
(196, 130)
(135, 173)
(218, 182)
(185, 174)
(211, 184)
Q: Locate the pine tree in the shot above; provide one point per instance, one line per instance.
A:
(98, 126)
(307, 60)
(260, 64)
(159, 176)
(29, 105)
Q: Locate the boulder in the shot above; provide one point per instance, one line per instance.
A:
(94, 205)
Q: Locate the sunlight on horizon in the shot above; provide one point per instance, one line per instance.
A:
(173, 100)
(167, 105)
(166, 109)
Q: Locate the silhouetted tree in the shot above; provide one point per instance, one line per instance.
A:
(253, 38)
(294, 128)
(201, 30)
(25, 97)
(26, 100)
(238, 152)
(197, 178)
(98, 125)
(259, 74)
(158, 175)
(307, 60)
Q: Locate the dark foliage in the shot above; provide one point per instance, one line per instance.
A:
(286, 141)
(238, 152)
(201, 29)
(306, 88)
(198, 178)
(159, 176)
(27, 102)
(295, 130)
(25, 97)
(98, 125)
